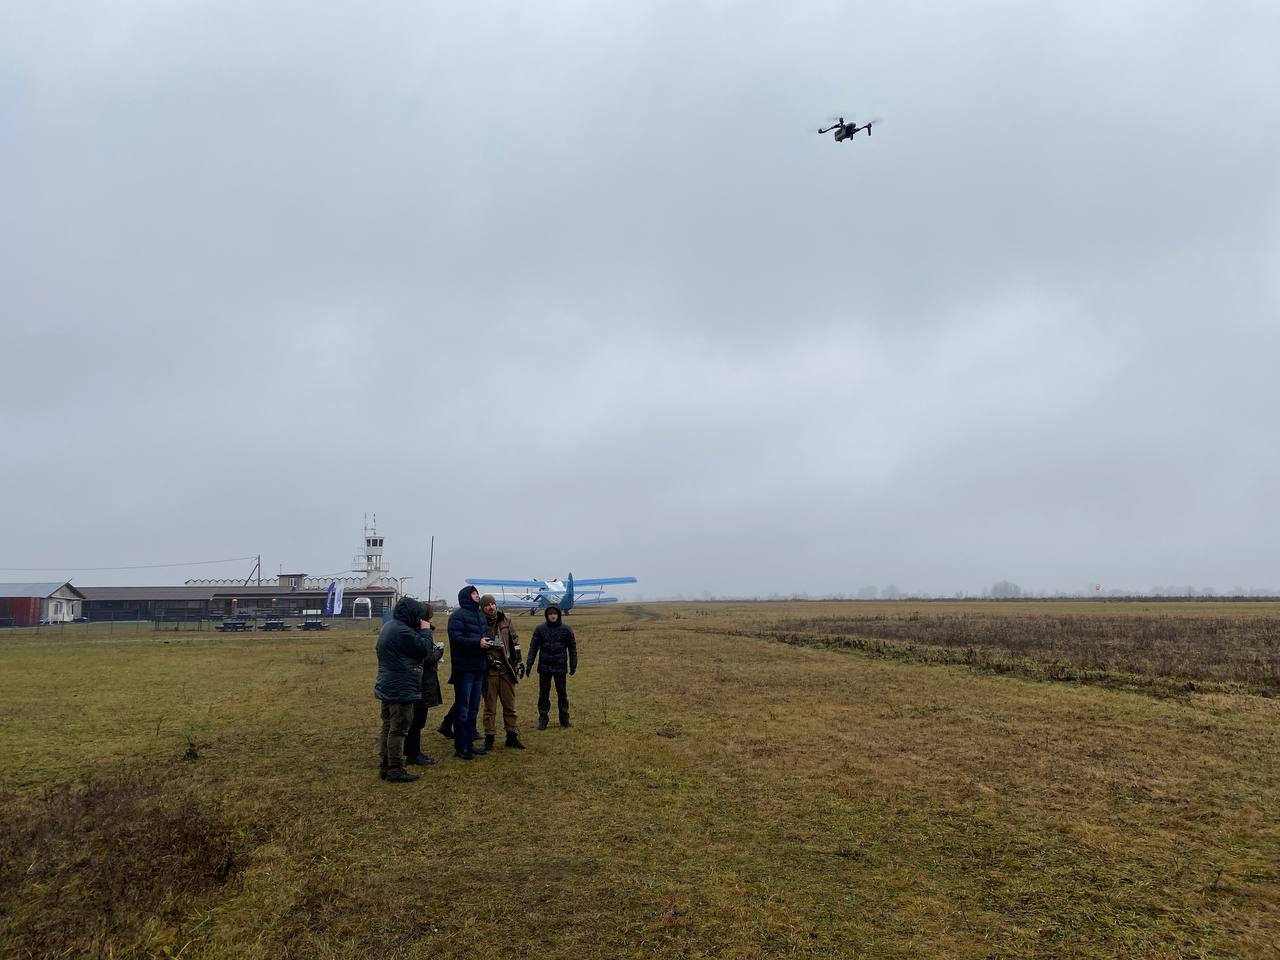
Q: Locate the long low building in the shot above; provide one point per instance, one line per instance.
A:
(210, 601)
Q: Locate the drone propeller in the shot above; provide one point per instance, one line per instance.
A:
(850, 122)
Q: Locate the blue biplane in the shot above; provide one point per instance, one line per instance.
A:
(535, 595)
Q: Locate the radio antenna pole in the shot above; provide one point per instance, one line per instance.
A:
(431, 567)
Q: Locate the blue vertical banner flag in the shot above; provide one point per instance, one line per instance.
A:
(337, 599)
(329, 597)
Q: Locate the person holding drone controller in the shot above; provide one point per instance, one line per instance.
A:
(505, 670)
(469, 646)
(431, 696)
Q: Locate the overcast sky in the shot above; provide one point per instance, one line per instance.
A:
(577, 287)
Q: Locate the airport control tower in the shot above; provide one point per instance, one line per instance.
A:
(369, 563)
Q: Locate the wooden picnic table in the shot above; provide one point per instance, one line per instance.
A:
(233, 626)
(275, 625)
(313, 625)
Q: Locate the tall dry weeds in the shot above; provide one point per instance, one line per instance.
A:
(1163, 653)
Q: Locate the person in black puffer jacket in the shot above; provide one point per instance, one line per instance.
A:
(401, 650)
(557, 644)
(469, 646)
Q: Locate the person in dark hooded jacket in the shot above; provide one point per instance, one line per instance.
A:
(469, 646)
(430, 695)
(559, 649)
(401, 650)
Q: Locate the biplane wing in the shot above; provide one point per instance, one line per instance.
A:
(603, 581)
(533, 595)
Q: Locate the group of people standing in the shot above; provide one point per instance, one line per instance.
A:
(485, 666)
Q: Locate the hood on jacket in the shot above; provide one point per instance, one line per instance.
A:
(409, 611)
(546, 614)
(465, 601)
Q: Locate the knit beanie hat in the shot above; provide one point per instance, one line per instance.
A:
(488, 599)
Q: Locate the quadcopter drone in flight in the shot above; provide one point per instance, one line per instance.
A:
(845, 131)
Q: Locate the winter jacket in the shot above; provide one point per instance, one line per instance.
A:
(507, 658)
(401, 650)
(467, 628)
(553, 642)
(430, 675)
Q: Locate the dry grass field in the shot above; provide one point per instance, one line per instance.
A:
(742, 780)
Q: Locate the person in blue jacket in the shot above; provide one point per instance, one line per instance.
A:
(469, 645)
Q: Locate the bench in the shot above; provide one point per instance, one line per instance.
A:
(234, 626)
(275, 625)
(313, 625)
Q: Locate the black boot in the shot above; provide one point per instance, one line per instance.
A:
(542, 721)
(445, 730)
(513, 740)
(481, 750)
(421, 760)
(400, 776)
(488, 742)
(564, 720)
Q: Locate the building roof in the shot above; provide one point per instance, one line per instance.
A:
(208, 591)
(44, 589)
(148, 593)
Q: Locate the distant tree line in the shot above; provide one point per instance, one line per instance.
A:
(1001, 590)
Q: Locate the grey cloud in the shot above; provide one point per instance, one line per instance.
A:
(622, 301)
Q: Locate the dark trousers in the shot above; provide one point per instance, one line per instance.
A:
(468, 687)
(396, 717)
(413, 739)
(446, 725)
(544, 695)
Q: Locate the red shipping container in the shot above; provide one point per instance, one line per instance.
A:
(25, 611)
